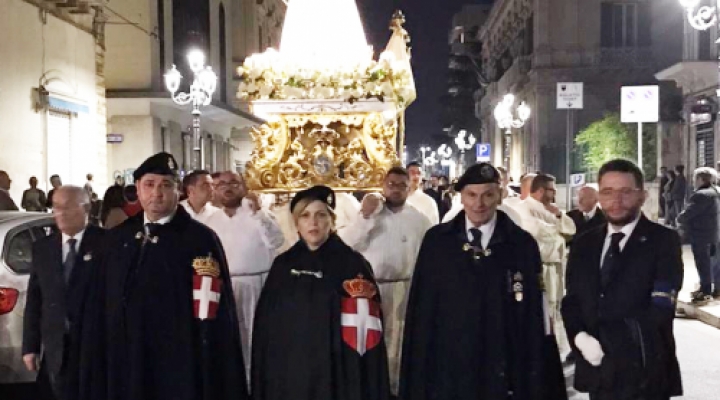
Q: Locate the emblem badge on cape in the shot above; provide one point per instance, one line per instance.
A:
(360, 315)
(206, 287)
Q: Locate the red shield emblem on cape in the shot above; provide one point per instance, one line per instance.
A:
(361, 324)
(206, 296)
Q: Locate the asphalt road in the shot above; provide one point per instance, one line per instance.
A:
(698, 350)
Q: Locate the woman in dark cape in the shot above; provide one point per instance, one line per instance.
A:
(318, 325)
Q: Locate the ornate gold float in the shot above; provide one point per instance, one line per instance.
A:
(328, 122)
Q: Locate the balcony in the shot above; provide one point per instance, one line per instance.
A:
(626, 57)
(71, 6)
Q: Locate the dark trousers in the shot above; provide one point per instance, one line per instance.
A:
(48, 386)
(704, 254)
(612, 396)
(661, 209)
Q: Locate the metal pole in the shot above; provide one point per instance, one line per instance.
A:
(568, 144)
(640, 154)
(196, 139)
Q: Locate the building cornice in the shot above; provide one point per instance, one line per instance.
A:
(82, 19)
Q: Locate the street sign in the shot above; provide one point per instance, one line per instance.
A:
(639, 104)
(577, 180)
(569, 96)
(482, 152)
(114, 137)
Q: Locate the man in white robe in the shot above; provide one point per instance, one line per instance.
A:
(551, 228)
(388, 232)
(418, 198)
(250, 237)
(198, 187)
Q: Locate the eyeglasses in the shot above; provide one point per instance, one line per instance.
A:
(624, 193)
(233, 185)
(393, 185)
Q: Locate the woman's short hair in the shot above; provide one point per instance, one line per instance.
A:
(304, 203)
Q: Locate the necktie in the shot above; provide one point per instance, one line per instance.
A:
(611, 259)
(587, 217)
(152, 229)
(476, 238)
(69, 262)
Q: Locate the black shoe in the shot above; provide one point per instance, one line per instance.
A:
(716, 294)
(700, 298)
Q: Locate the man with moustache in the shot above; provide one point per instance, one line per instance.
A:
(251, 238)
(475, 327)
(163, 325)
(388, 233)
(62, 265)
(622, 285)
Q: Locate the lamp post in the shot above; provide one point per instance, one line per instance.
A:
(445, 152)
(464, 146)
(423, 150)
(506, 120)
(201, 91)
(431, 161)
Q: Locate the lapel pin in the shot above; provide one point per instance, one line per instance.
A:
(487, 252)
(138, 235)
(642, 239)
(467, 247)
(87, 257)
(154, 239)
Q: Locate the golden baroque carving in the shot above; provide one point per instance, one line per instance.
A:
(295, 151)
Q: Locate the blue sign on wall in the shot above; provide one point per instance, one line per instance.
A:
(482, 152)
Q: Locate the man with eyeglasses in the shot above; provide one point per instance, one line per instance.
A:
(251, 237)
(622, 284)
(161, 322)
(388, 232)
(551, 228)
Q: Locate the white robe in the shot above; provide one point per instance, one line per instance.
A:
(390, 241)
(550, 231)
(425, 204)
(203, 215)
(250, 242)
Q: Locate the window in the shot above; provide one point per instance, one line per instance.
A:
(18, 255)
(625, 24)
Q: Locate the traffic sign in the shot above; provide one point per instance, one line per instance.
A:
(482, 152)
(577, 180)
(639, 104)
(569, 96)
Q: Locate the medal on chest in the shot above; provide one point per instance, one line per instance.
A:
(476, 251)
(207, 287)
(360, 316)
(517, 286)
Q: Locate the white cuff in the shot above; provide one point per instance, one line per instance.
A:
(590, 348)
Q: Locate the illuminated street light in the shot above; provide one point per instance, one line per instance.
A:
(463, 145)
(201, 92)
(506, 120)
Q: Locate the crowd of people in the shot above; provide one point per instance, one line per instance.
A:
(201, 296)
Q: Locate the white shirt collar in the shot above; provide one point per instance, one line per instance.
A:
(627, 230)
(161, 221)
(78, 237)
(591, 214)
(486, 229)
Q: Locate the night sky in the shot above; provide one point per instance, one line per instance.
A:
(429, 23)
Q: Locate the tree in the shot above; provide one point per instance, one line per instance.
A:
(609, 138)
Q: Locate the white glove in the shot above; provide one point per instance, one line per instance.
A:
(590, 348)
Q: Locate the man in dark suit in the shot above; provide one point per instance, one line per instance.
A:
(679, 190)
(61, 266)
(588, 215)
(699, 223)
(622, 284)
(6, 202)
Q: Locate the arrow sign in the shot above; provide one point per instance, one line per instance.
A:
(570, 96)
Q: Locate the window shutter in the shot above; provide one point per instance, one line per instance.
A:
(606, 25)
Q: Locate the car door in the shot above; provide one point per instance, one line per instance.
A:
(14, 276)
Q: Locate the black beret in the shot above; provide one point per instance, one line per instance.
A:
(477, 174)
(320, 192)
(161, 164)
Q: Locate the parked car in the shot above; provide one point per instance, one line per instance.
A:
(18, 231)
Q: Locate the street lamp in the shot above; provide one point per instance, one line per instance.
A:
(702, 18)
(506, 120)
(423, 150)
(431, 161)
(463, 146)
(444, 151)
(201, 91)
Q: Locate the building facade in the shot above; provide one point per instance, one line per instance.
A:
(145, 38)
(530, 46)
(697, 75)
(52, 94)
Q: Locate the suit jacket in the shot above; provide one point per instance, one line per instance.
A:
(51, 302)
(701, 218)
(631, 315)
(679, 188)
(583, 226)
(6, 202)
